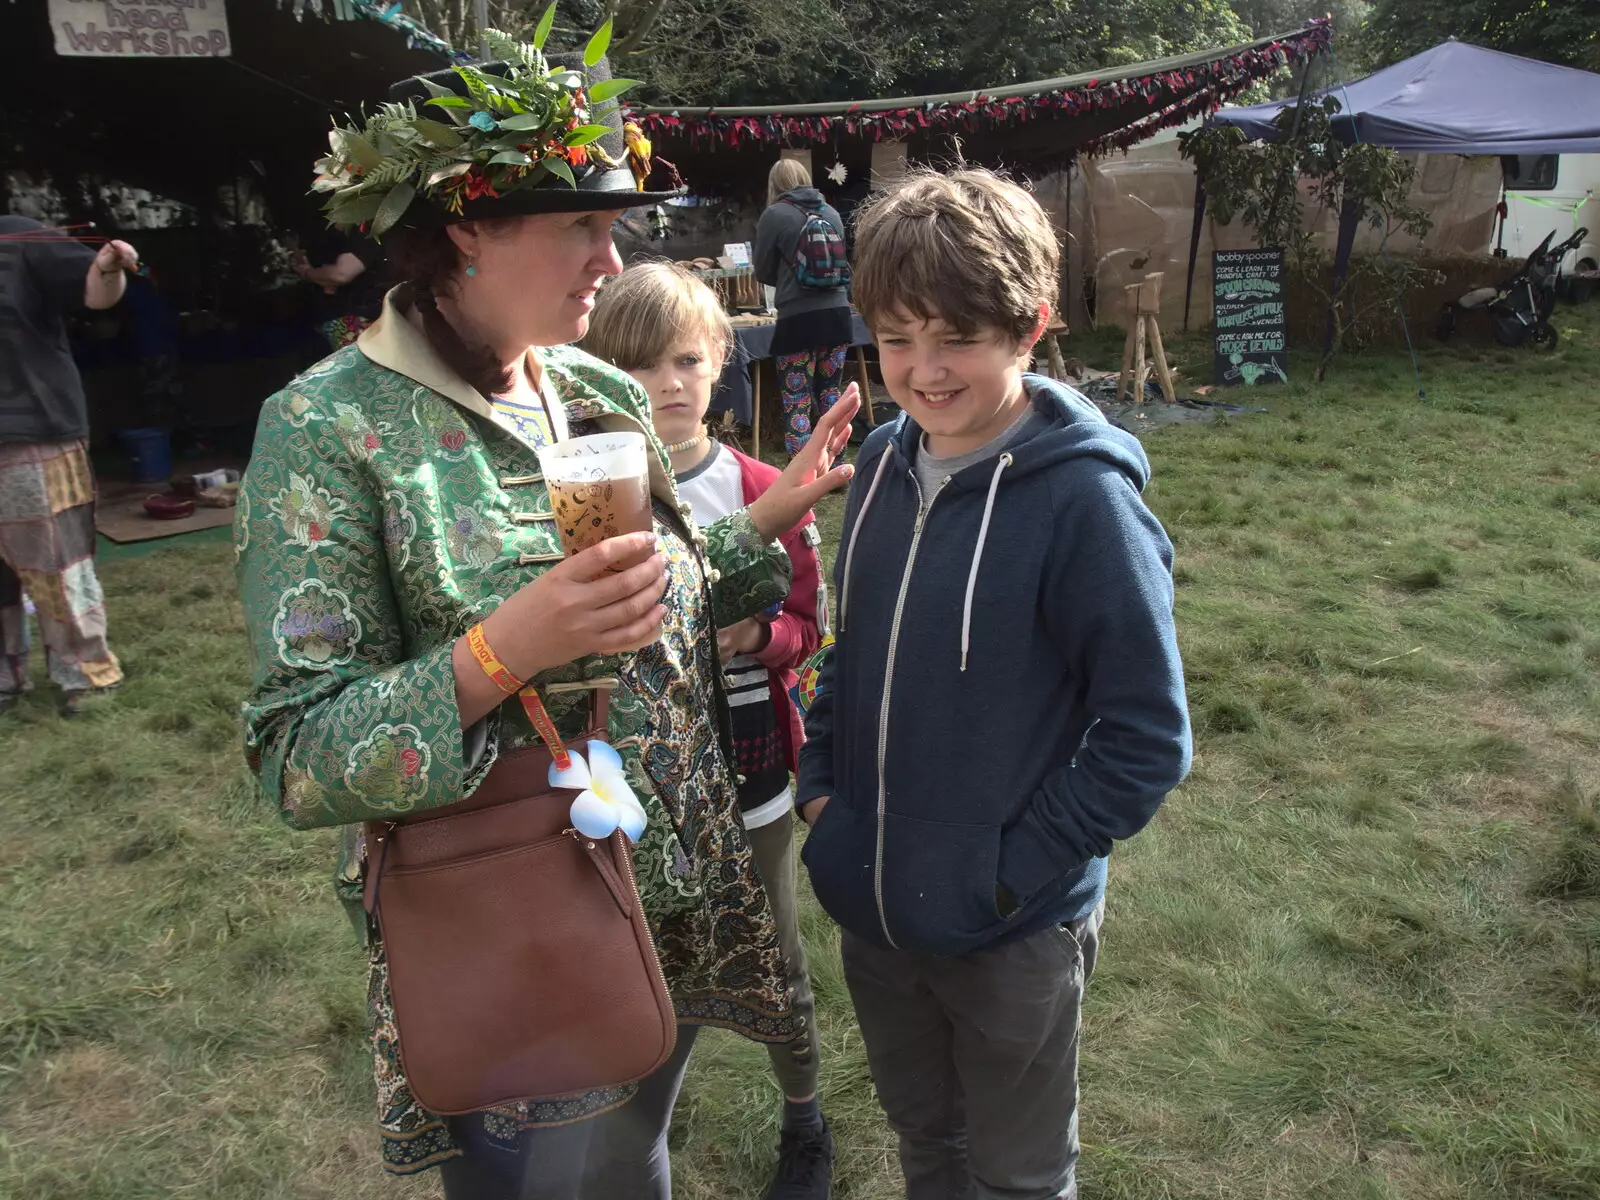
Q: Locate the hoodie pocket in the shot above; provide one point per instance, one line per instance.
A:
(939, 883)
(838, 855)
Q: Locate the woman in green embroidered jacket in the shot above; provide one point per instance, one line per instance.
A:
(394, 500)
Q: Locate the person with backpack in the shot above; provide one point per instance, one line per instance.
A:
(800, 250)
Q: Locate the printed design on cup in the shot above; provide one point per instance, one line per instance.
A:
(587, 513)
(599, 488)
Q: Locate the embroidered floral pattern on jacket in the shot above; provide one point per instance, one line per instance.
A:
(372, 531)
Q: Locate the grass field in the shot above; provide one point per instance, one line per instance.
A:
(1356, 957)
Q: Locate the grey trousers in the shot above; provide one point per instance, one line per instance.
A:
(975, 1060)
(619, 1153)
(795, 1063)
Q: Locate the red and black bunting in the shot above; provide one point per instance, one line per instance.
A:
(1218, 81)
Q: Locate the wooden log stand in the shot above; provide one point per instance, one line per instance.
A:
(1144, 306)
(1050, 344)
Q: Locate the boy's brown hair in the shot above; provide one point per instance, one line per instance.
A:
(969, 247)
(650, 308)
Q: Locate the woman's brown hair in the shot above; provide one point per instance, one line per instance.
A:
(427, 263)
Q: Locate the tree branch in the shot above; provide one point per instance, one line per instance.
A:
(638, 27)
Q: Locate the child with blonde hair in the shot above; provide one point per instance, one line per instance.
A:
(668, 330)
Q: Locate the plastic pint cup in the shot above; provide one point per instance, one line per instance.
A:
(599, 488)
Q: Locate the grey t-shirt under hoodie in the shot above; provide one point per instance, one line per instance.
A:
(932, 471)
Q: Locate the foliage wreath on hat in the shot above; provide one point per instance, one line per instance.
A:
(520, 124)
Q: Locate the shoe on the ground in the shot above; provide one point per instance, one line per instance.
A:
(805, 1166)
(72, 703)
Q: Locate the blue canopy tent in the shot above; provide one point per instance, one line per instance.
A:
(1452, 99)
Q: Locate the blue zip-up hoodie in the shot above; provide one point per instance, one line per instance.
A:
(1004, 700)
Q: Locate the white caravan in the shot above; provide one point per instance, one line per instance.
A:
(1559, 192)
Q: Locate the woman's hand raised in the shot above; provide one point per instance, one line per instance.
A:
(811, 474)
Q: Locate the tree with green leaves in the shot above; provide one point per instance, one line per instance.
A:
(1267, 185)
(796, 51)
(930, 46)
(1557, 31)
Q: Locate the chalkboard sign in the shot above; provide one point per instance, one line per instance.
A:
(1251, 341)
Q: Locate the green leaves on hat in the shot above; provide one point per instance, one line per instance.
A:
(506, 132)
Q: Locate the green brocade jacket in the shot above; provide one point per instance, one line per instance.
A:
(387, 509)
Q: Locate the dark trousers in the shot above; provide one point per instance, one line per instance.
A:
(622, 1153)
(975, 1060)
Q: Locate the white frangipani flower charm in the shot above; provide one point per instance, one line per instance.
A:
(605, 802)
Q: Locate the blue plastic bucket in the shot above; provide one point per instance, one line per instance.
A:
(151, 452)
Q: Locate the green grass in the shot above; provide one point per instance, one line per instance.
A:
(1356, 957)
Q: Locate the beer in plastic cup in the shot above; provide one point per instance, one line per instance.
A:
(599, 488)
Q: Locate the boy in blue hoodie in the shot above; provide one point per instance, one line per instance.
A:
(1003, 703)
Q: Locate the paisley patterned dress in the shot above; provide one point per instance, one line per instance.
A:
(387, 508)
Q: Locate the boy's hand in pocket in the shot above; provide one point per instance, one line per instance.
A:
(812, 809)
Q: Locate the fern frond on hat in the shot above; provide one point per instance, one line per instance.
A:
(525, 134)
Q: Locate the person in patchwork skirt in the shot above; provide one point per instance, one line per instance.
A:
(47, 494)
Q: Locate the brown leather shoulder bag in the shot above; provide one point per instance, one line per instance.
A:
(520, 962)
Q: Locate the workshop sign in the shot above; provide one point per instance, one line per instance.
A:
(140, 28)
(1248, 315)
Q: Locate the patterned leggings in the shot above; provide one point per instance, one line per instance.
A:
(810, 384)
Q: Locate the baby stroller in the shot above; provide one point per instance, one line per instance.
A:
(1519, 309)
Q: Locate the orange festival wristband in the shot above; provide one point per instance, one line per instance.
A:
(511, 685)
(492, 666)
(540, 720)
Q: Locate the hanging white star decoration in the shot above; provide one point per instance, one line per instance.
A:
(837, 174)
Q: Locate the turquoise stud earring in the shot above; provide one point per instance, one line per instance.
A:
(472, 270)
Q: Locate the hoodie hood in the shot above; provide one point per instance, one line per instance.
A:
(1077, 429)
(808, 198)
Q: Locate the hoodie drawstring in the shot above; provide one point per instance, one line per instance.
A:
(977, 555)
(855, 531)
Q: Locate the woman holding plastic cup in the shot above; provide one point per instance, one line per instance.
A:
(415, 615)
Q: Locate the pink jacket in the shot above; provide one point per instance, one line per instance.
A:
(795, 635)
